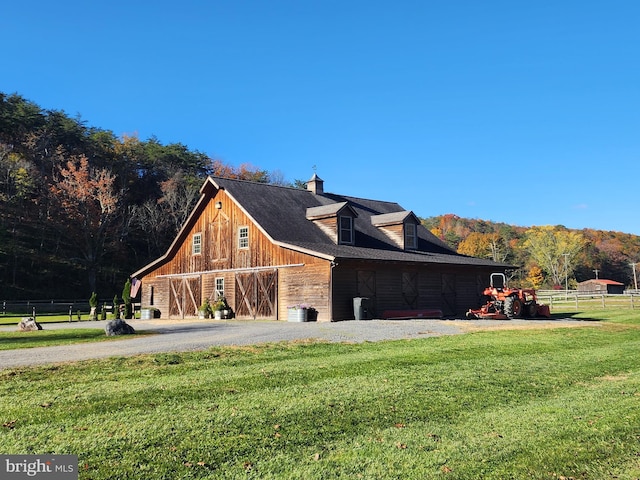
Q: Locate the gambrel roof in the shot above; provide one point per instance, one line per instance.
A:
(285, 215)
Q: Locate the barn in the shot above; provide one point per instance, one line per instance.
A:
(266, 248)
(601, 286)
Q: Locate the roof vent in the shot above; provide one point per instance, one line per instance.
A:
(315, 185)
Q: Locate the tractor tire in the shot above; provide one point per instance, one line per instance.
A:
(512, 307)
(532, 310)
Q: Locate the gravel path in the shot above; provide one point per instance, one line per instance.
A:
(190, 335)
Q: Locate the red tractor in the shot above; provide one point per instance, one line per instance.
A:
(505, 303)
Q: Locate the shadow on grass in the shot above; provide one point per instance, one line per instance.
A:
(49, 338)
(570, 316)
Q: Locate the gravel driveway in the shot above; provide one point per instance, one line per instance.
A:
(189, 335)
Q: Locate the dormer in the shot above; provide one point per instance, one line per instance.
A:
(336, 220)
(400, 227)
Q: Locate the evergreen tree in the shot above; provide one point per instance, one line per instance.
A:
(93, 303)
(126, 298)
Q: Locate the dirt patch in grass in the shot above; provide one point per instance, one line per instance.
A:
(613, 378)
(469, 326)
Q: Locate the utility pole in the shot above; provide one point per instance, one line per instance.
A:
(596, 271)
(635, 278)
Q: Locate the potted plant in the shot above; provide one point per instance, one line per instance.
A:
(93, 303)
(205, 309)
(298, 312)
(218, 307)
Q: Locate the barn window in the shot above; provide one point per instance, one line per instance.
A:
(410, 237)
(196, 244)
(346, 230)
(243, 237)
(219, 287)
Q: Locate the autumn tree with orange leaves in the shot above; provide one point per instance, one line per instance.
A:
(484, 245)
(85, 207)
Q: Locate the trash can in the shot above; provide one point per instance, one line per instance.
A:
(361, 308)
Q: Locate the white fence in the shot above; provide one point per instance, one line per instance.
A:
(573, 300)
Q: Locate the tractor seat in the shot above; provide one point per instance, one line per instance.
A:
(497, 281)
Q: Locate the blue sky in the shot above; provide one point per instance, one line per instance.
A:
(519, 112)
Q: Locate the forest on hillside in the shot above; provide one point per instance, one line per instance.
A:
(81, 208)
(547, 256)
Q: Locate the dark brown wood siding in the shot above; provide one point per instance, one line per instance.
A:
(392, 286)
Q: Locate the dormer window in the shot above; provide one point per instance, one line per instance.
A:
(336, 220)
(400, 227)
(345, 235)
(410, 236)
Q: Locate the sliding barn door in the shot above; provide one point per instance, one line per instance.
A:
(184, 296)
(367, 288)
(449, 294)
(410, 289)
(256, 294)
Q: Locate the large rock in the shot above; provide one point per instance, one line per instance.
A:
(29, 324)
(118, 327)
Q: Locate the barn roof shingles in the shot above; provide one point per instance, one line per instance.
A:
(281, 212)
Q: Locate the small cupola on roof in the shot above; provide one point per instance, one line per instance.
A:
(316, 185)
(336, 220)
(400, 227)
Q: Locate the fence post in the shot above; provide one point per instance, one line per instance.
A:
(70, 313)
(603, 302)
(33, 313)
(632, 301)
(576, 301)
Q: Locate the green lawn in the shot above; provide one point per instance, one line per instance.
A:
(14, 319)
(541, 404)
(47, 338)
